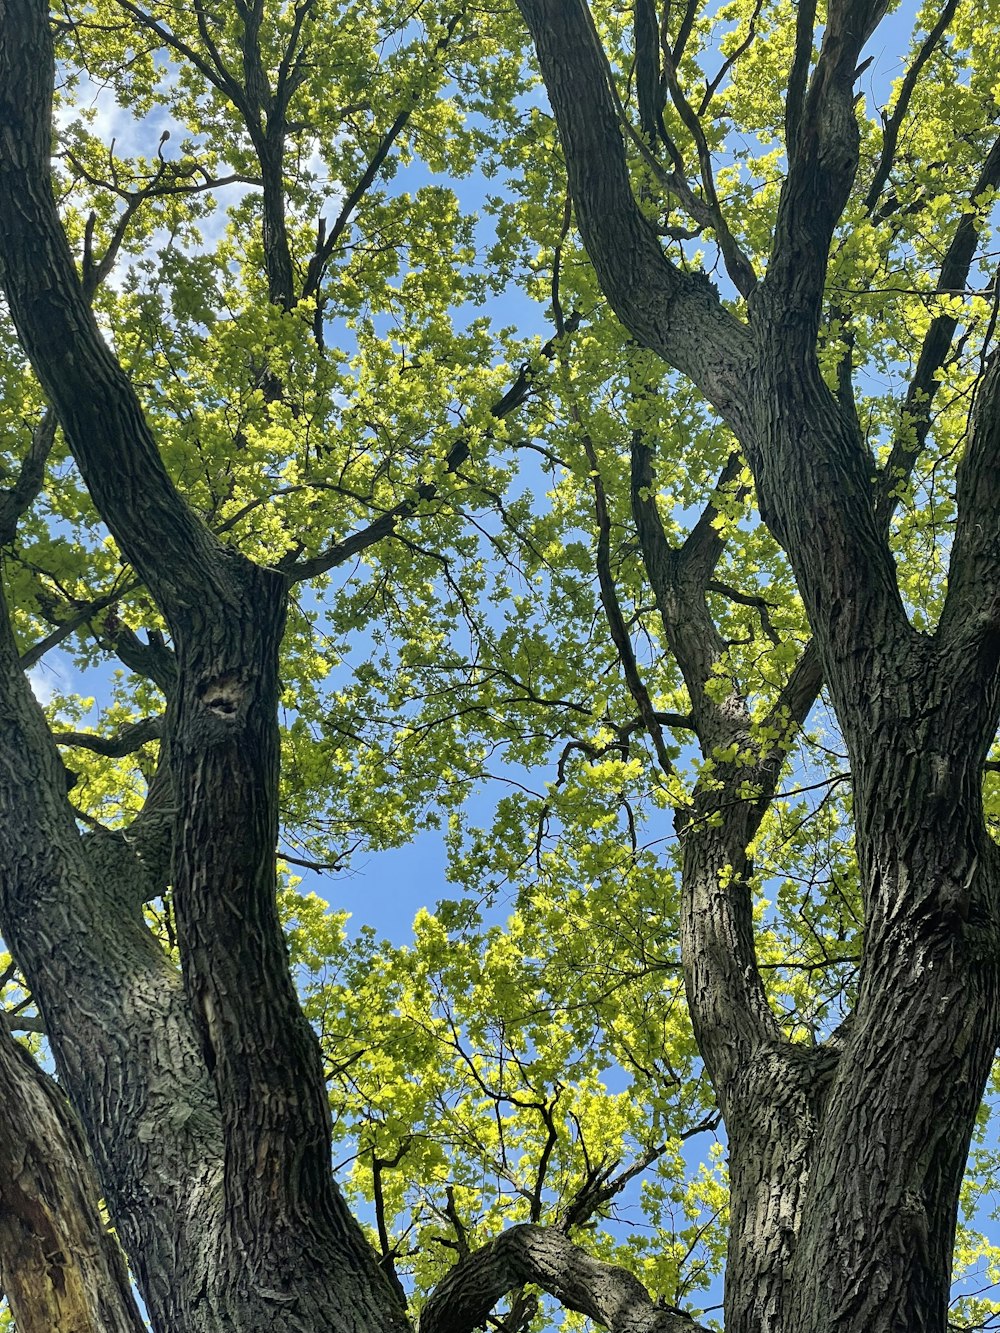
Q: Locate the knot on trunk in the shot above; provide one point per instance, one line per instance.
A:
(223, 695)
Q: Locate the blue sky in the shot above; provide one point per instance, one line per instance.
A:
(385, 889)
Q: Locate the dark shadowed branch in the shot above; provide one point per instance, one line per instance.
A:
(676, 314)
(546, 1258)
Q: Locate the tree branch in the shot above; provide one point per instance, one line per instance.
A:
(97, 407)
(971, 613)
(737, 265)
(215, 71)
(798, 75)
(915, 415)
(676, 314)
(127, 741)
(60, 1267)
(153, 659)
(890, 135)
(613, 611)
(603, 1182)
(326, 242)
(679, 579)
(823, 157)
(647, 68)
(79, 617)
(385, 526)
(548, 1259)
(16, 500)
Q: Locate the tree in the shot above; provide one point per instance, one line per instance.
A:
(765, 504)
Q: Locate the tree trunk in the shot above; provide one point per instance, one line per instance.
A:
(875, 1252)
(205, 1102)
(60, 1268)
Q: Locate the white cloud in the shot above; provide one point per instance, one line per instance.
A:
(49, 678)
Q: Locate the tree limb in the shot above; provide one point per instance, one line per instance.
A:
(127, 741)
(16, 500)
(915, 415)
(79, 617)
(97, 407)
(613, 611)
(890, 135)
(798, 75)
(823, 157)
(676, 314)
(385, 525)
(679, 578)
(326, 242)
(546, 1258)
(61, 1268)
(971, 613)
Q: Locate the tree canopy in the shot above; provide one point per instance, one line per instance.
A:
(570, 434)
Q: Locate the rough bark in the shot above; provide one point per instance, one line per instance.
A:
(202, 1095)
(546, 1258)
(845, 1161)
(60, 1268)
(249, 1231)
(676, 314)
(114, 1012)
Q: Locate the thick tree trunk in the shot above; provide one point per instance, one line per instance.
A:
(771, 1092)
(846, 1159)
(114, 1011)
(60, 1268)
(875, 1250)
(292, 1258)
(205, 1103)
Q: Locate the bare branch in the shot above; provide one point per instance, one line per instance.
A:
(890, 136)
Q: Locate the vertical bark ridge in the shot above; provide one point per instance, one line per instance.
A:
(60, 1268)
(115, 1014)
(289, 1254)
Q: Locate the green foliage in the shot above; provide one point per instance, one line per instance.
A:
(530, 1046)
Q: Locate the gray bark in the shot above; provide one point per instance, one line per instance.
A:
(547, 1259)
(203, 1095)
(201, 1092)
(845, 1161)
(60, 1268)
